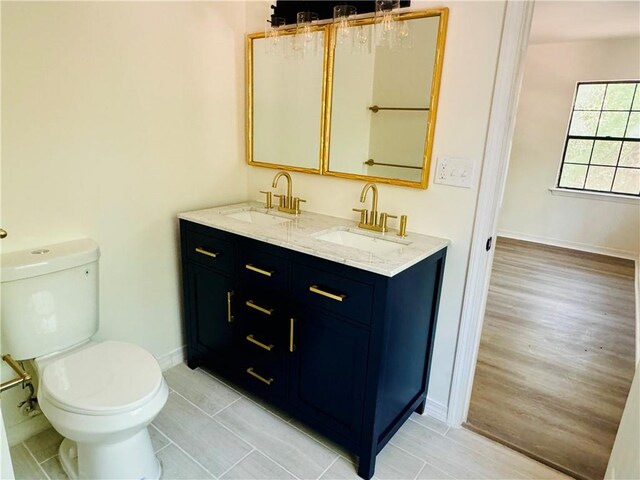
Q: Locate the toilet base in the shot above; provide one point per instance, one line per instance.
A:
(132, 459)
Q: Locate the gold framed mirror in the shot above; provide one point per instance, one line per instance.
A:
(285, 101)
(382, 102)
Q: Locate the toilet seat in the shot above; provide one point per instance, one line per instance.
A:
(106, 378)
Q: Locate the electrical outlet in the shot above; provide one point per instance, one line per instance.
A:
(457, 172)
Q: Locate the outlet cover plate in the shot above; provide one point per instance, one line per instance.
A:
(457, 172)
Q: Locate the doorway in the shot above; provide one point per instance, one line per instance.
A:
(556, 357)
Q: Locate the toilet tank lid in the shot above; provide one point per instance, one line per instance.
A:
(48, 259)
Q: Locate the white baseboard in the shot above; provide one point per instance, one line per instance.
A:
(31, 426)
(173, 358)
(637, 310)
(611, 252)
(436, 410)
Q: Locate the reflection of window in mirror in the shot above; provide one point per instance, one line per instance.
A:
(286, 103)
(399, 82)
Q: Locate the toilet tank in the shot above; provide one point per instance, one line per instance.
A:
(49, 298)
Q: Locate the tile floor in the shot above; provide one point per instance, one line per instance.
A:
(209, 430)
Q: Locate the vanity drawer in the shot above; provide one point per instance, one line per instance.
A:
(262, 375)
(263, 270)
(260, 307)
(211, 251)
(339, 294)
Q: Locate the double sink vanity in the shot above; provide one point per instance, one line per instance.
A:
(332, 323)
(331, 320)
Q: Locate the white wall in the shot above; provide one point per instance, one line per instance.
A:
(465, 98)
(116, 116)
(624, 462)
(530, 210)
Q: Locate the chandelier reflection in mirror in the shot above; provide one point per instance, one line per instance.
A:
(390, 31)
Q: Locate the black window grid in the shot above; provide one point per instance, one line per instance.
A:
(593, 138)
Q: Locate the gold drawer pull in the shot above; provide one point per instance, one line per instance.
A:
(268, 311)
(292, 324)
(251, 372)
(268, 273)
(332, 296)
(229, 314)
(258, 343)
(207, 252)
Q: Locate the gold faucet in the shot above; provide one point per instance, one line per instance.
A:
(287, 203)
(369, 219)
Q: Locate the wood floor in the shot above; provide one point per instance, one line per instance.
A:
(556, 356)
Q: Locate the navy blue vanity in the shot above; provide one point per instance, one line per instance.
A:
(344, 350)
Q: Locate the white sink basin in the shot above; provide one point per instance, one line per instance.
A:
(258, 218)
(367, 243)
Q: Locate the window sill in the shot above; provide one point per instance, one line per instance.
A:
(607, 197)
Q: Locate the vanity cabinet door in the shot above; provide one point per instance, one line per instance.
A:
(328, 371)
(211, 316)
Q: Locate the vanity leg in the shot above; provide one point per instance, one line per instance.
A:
(192, 363)
(420, 408)
(367, 464)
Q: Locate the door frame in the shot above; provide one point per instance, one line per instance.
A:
(515, 39)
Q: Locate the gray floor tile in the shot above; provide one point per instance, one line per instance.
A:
(394, 464)
(445, 454)
(430, 422)
(341, 470)
(257, 466)
(44, 445)
(295, 451)
(202, 438)
(158, 439)
(24, 466)
(429, 472)
(200, 389)
(325, 441)
(178, 466)
(54, 469)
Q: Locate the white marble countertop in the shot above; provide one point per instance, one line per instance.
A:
(300, 235)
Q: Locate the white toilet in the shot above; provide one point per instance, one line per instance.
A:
(99, 395)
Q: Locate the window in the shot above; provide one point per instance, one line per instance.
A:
(602, 150)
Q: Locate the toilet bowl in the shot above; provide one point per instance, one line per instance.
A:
(100, 396)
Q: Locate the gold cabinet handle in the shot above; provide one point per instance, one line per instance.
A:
(252, 372)
(268, 273)
(292, 323)
(259, 343)
(207, 252)
(340, 297)
(267, 311)
(229, 315)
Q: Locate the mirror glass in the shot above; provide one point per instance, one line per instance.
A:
(285, 102)
(383, 103)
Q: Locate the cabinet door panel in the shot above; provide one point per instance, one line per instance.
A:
(328, 371)
(211, 326)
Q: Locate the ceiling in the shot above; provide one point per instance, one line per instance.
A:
(567, 21)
